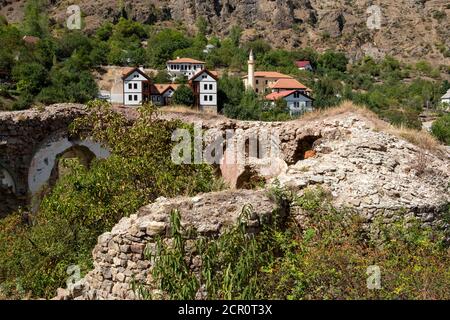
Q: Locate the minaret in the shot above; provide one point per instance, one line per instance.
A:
(251, 71)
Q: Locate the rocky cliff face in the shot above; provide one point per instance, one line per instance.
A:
(410, 29)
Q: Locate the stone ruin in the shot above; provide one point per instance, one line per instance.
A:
(373, 172)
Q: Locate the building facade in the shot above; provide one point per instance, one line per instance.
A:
(161, 93)
(136, 87)
(446, 97)
(296, 100)
(204, 87)
(186, 67)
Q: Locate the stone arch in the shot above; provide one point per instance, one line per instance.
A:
(302, 146)
(80, 152)
(46, 158)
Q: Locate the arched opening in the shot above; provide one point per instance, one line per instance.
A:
(46, 166)
(304, 148)
(81, 153)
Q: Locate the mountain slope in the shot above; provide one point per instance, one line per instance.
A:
(410, 29)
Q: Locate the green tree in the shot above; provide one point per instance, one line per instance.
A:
(35, 20)
(183, 96)
(30, 77)
(164, 44)
(229, 92)
(202, 25)
(331, 60)
(162, 76)
(105, 31)
(441, 129)
(235, 35)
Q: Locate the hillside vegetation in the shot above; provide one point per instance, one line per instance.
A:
(288, 24)
(322, 254)
(35, 251)
(59, 67)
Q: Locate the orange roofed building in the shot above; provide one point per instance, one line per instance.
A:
(274, 86)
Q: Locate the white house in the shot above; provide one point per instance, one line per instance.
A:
(162, 93)
(446, 97)
(136, 87)
(297, 101)
(184, 66)
(204, 86)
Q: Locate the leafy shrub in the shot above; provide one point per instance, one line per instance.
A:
(89, 201)
(441, 129)
(323, 255)
(183, 95)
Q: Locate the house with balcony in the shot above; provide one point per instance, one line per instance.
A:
(186, 67)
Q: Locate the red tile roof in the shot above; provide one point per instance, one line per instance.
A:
(283, 94)
(185, 60)
(213, 74)
(163, 87)
(129, 70)
(288, 84)
(302, 63)
(269, 74)
(278, 95)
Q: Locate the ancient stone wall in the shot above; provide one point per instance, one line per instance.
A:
(21, 134)
(373, 173)
(119, 259)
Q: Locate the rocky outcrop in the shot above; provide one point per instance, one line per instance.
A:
(372, 172)
(119, 256)
(340, 24)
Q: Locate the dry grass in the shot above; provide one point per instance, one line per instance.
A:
(420, 138)
(180, 109)
(188, 111)
(344, 107)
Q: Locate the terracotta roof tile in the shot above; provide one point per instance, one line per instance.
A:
(270, 74)
(302, 63)
(185, 60)
(288, 84)
(163, 87)
(277, 95)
